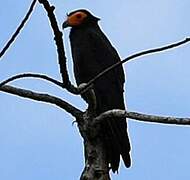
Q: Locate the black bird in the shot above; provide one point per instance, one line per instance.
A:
(92, 53)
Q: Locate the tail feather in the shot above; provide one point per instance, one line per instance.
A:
(117, 142)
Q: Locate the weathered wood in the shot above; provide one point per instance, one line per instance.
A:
(96, 165)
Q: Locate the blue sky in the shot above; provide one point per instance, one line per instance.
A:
(38, 140)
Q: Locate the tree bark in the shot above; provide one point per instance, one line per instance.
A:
(96, 165)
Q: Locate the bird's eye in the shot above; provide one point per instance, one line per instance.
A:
(78, 16)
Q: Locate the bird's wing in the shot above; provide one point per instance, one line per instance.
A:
(105, 54)
(92, 53)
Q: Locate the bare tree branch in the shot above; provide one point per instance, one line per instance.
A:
(60, 47)
(32, 75)
(142, 117)
(139, 54)
(90, 98)
(20, 27)
(43, 98)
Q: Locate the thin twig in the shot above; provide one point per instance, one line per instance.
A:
(139, 54)
(20, 27)
(142, 117)
(31, 75)
(43, 98)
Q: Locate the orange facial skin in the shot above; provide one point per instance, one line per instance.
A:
(76, 19)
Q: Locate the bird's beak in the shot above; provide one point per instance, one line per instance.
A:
(65, 24)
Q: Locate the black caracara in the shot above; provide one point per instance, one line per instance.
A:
(92, 53)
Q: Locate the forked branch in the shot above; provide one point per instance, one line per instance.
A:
(66, 82)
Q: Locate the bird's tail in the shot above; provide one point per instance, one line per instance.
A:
(117, 142)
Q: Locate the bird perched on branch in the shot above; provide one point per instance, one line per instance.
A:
(92, 53)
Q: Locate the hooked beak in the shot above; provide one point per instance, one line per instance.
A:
(65, 24)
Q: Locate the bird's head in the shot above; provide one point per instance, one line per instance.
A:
(79, 18)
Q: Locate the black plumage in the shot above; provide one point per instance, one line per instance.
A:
(92, 53)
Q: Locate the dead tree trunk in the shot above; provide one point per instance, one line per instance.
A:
(96, 165)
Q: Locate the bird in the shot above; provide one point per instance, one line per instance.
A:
(92, 52)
